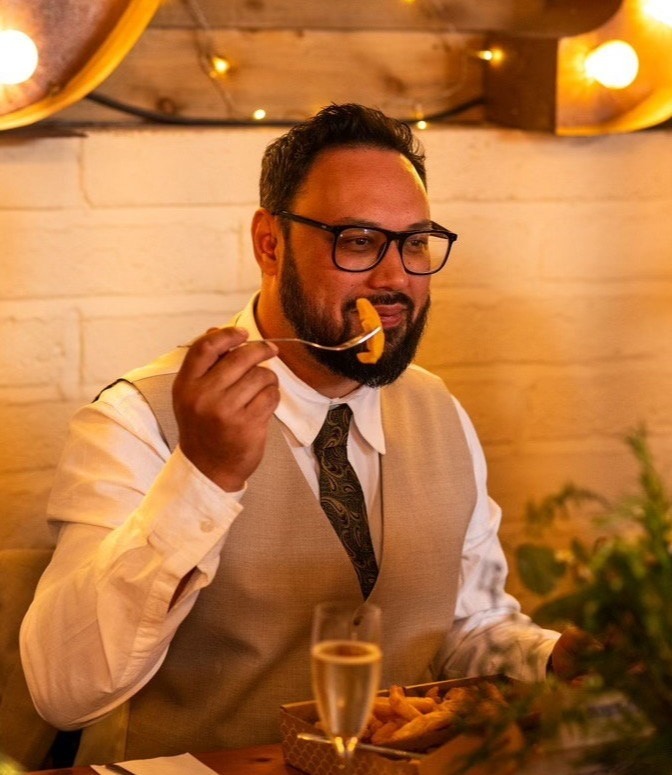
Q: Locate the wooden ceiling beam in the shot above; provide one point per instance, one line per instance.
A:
(559, 17)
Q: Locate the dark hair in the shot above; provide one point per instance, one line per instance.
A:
(287, 160)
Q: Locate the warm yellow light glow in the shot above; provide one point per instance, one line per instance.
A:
(259, 114)
(614, 64)
(422, 124)
(18, 57)
(661, 10)
(492, 55)
(220, 65)
(109, 41)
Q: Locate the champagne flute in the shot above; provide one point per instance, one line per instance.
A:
(346, 665)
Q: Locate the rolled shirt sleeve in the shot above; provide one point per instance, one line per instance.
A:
(133, 520)
(490, 634)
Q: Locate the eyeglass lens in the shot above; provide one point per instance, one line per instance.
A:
(422, 252)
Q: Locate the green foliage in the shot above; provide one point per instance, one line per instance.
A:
(543, 514)
(539, 568)
(619, 591)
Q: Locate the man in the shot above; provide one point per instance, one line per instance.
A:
(193, 544)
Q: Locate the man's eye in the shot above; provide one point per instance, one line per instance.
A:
(358, 241)
(418, 243)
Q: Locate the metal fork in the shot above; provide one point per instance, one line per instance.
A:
(353, 342)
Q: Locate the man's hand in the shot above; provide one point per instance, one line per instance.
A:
(568, 658)
(223, 401)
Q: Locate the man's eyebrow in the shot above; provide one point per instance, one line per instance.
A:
(424, 224)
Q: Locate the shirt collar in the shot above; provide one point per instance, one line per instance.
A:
(303, 410)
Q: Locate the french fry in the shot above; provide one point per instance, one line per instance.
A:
(384, 733)
(417, 723)
(424, 723)
(400, 704)
(423, 704)
(434, 693)
(382, 709)
(373, 725)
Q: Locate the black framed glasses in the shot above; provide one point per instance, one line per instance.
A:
(360, 248)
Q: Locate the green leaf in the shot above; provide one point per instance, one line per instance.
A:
(561, 611)
(618, 589)
(580, 552)
(539, 568)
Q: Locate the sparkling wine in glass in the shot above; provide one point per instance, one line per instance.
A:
(346, 665)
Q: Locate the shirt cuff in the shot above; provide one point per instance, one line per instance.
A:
(188, 516)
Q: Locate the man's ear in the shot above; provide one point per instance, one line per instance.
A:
(265, 235)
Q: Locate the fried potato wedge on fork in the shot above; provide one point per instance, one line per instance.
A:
(370, 320)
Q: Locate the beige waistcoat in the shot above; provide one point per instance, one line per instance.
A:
(244, 648)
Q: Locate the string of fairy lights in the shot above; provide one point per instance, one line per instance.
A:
(217, 66)
(613, 63)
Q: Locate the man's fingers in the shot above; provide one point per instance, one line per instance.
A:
(238, 363)
(264, 402)
(230, 400)
(223, 399)
(568, 658)
(205, 351)
(244, 392)
(209, 352)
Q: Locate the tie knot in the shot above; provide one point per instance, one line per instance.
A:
(334, 432)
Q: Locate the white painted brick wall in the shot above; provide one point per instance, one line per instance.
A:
(552, 324)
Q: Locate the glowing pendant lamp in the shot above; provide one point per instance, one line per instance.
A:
(54, 52)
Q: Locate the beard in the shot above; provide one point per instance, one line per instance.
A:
(309, 323)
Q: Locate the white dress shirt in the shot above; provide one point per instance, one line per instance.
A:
(134, 519)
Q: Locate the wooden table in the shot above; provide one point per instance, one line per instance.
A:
(268, 760)
(257, 760)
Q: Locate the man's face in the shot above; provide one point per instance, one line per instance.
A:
(400, 342)
(362, 186)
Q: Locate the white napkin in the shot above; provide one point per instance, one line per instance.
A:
(183, 764)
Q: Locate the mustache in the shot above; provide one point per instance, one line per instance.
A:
(384, 299)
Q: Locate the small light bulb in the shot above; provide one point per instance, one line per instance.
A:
(220, 65)
(494, 55)
(661, 10)
(259, 114)
(18, 57)
(421, 124)
(614, 64)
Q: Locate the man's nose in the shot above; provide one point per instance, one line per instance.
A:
(390, 272)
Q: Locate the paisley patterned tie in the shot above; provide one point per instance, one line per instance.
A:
(341, 495)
